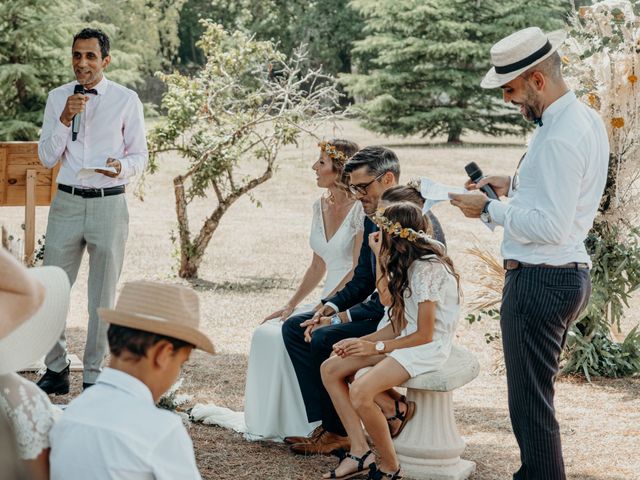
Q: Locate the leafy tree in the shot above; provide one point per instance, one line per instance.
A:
(425, 59)
(34, 57)
(328, 27)
(245, 104)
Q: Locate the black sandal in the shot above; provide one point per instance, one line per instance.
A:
(341, 454)
(403, 417)
(376, 474)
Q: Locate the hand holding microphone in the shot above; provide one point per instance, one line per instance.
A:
(72, 110)
(478, 181)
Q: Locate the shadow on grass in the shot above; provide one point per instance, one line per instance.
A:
(483, 419)
(251, 285)
(455, 145)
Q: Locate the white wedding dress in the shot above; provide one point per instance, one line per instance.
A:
(273, 402)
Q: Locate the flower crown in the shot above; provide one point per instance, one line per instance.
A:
(332, 152)
(397, 230)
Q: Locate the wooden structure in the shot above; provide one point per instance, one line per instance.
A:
(24, 181)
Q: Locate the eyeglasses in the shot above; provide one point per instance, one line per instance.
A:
(362, 187)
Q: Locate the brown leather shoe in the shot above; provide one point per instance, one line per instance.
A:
(319, 430)
(326, 443)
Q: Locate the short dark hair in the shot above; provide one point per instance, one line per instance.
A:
(378, 160)
(102, 38)
(137, 342)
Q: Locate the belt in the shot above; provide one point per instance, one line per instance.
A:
(515, 264)
(91, 192)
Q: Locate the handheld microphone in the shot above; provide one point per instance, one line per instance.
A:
(475, 174)
(75, 123)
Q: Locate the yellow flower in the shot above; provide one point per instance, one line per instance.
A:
(583, 11)
(404, 233)
(617, 122)
(565, 60)
(396, 227)
(592, 99)
(632, 79)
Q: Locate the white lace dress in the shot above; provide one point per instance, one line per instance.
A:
(30, 412)
(273, 402)
(429, 280)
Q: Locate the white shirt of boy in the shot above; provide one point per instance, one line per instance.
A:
(114, 431)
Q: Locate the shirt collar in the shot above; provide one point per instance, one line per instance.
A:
(102, 85)
(558, 106)
(125, 382)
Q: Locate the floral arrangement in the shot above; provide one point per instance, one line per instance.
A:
(602, 65)
(397, 230)
(332, 152)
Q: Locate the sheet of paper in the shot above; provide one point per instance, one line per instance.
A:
(88, 171)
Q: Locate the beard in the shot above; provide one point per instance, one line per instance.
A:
(530, 107)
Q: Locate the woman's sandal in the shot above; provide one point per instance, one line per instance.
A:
(341, 454)
(376, 474)
(403, 417)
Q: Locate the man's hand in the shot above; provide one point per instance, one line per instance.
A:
(75, 104)
(310, 326)
(471, 204)
(356, 347)
(111, 162)
(499, 183)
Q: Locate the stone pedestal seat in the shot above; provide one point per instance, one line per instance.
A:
(430, 446)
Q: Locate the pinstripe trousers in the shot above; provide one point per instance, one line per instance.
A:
(101, 225)
(538, 307)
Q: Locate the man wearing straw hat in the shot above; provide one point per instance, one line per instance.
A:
(554, 196)
(114, 430)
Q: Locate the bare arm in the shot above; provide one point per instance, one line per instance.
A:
(312, 277)
(20, 294)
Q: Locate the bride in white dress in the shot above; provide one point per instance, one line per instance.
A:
(273, 404)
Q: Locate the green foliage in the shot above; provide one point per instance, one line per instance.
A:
(491, 314)
(245, 104)
(34, 58)
(598, 355)
(422, 62)
(328, 27)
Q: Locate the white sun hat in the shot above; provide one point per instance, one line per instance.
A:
(35, 336)
(518, 52)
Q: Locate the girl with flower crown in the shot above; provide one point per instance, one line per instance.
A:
(417, 281)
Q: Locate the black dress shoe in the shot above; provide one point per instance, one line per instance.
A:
(55, 382)
(86, 385)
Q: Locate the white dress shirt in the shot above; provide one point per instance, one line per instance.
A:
(111, 126)
(113, 431)
(560, 183)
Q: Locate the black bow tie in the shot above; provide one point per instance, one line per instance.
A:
(92, 91)
(537, 121)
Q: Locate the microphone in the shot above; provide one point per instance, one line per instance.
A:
(75, 123)
(475, 174)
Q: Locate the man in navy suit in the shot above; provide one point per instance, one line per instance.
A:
(352, 312)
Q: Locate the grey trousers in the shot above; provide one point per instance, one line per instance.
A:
(102, 226)
(538, 307)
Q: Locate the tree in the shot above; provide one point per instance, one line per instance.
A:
(34, 56)
(234, 115)
(328, 27)
(423, 62)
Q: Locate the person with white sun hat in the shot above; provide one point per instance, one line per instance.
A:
(34, 304)
(554, 196)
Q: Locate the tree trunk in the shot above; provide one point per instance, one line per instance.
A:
(454, 135)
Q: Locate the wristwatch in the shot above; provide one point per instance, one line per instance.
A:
(380, 347)
(335, 320)
(485, 216)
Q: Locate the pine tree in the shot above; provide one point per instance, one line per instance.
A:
(422, 62)
(34, 55)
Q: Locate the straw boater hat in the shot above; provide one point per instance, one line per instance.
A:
(518, 52)
(31, 339)
(170, 310)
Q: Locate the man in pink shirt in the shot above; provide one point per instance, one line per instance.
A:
(90, 208)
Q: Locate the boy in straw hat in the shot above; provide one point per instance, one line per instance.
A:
(114, 430)
(554, 194)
